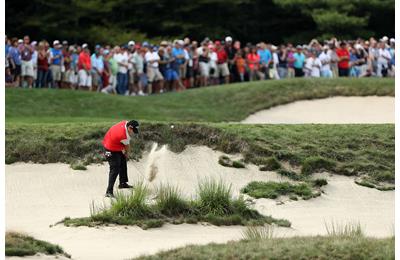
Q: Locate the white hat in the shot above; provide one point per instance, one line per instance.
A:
(20, 41)
(34, 43)
(274, 48)
(228, 39)
(180, 42)
(392, 40)
(325, 47)
(56, 42)
(130, 43)
(85, 45)
(385, 38)
(358, 46)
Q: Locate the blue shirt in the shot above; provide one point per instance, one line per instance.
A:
(299, 60)
(7, 48)
(74, 61)
(56, 52)
(14, 55)
(175, 53)
(265, 56)
(97, 62)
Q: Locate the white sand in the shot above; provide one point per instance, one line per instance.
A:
(40, 195)
(334, 110)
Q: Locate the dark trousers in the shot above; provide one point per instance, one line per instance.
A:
(298, 72)
(343, 72)
(117, 162)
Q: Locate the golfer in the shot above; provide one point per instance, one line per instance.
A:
(116, 145)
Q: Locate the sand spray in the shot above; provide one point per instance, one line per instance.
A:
(154, 161)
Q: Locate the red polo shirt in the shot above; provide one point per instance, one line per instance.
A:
(115, 137)
(344, 64)
(222, 56)
(84, 58)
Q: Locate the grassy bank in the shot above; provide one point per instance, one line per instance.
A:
(213, 204)
(22, 245)
(212, 104)
(296, 151)
(329, 248)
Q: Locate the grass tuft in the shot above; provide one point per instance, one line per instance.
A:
(78, 166)
(272, 190)
(352, 230)
(258, 233)
(271, 164)
(214, 197)
(319, 182)
(169, 201)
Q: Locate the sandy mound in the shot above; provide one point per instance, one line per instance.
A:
(40, 195)
(335, 110)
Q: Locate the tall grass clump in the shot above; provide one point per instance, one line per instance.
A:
(352, 229)
(132, 205)
(258, 233)
(170, 202)
(214, 197)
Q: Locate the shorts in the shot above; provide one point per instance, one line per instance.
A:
(69, 76)
(16, 71)
(171, 75)
(204, 69)
(56, 72)
(182, 71)
(85, 79)
(223, 69)
(154, 74)
(96, 79)
(131, 76)
(27, 69)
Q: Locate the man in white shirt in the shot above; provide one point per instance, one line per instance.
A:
(153, 73)
(313, 66)
(325, 59)
(121, 57)
(384, 58)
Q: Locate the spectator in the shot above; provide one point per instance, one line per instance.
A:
(27, 72)
(290, 60)
(84, 69)
(34, 61)
(313, 65)
(222, 60)
(97, 68)
(110, 71)
(253, 61)
(204, 60)
(179, 58)
(153, 73)
(56, 60)
(282, 62)
(213, 65)
(75, 51)
(240, 65)
(43, 66)
(131, 68)
(138, 61)
(299, 59)
(231, 51)
(15, 61)
(383, 60)
(66, 67)
(325, 59)
(121, 57)
(344, 58)
(265, 58)
(273, 67)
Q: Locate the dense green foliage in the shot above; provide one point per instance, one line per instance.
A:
(117, 21)
(328, 248)
(22, 245)
(214, 203)
(212, 104)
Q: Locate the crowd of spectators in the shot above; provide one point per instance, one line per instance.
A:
(144, 68)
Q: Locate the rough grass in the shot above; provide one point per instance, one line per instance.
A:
(258, 232)
(353, 150)
(214, 204)
(225, 103)
(22, 245)
(272, 190)
(319, 247)
(270, 164)
(227, 162)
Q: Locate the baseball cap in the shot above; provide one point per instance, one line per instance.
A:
(85, 45)
(106, 52)
(56, 42)
(163, 43)
(392, 40)
(65, 42)
(20, 41)
(131, 43)
(299, 47)
(145, 44)
(134, 125)
(98, 46)
(385, 38)
(228, 39)
(180, 42)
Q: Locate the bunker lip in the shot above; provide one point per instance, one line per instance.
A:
(40, 195)
(333, 110)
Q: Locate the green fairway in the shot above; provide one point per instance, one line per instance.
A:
(227, 103)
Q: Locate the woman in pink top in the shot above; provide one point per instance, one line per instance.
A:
(253, 61)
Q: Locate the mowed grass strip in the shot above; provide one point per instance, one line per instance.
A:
(353, 150)
(226, 103)
(18, 244)
(319, 247)
(214, 204)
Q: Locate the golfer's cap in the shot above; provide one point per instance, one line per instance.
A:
(84, 46)
(20, 41)
(65, 43)
(134, 125)
(56, 42)
(131, 43)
